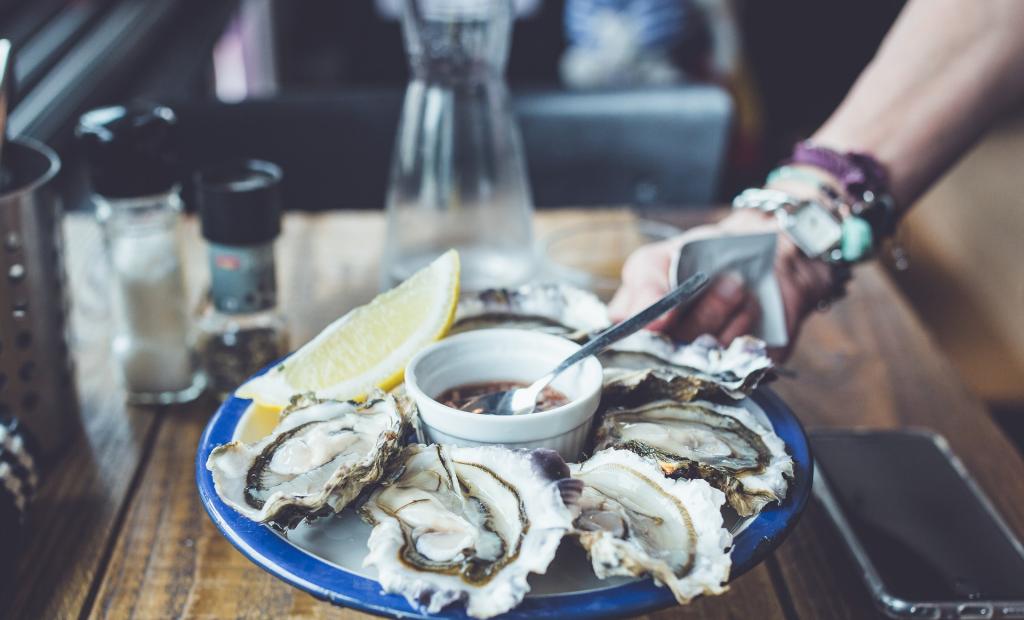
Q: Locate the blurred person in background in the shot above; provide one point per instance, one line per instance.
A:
(624, 42)
(945, 71)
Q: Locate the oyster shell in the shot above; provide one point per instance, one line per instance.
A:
(551, 308)
(701, 368)
(635, 521)
(468, 524)
(317, 459)
(724, 445)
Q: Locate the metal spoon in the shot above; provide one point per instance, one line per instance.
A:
(524, 400)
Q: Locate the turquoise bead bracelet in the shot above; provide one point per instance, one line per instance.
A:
(789, 173)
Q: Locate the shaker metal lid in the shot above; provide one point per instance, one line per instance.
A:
(129, 149)
(240, 202)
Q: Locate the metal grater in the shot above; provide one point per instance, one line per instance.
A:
(36, 374)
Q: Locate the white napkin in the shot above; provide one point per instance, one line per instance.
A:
(752, 257)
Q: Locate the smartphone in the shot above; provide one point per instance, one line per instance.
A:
(928, 541)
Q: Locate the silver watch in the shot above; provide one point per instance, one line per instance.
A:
(811, 225)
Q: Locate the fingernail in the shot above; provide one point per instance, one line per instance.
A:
(729, 285)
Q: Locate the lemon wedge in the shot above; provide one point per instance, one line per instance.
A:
(370, 346)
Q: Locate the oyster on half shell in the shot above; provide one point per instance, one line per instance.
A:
(635, 521)
(551, 308)
(468, 524)
(724, 445)
(701, 368)
(317, 459)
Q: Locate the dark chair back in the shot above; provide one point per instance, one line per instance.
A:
(662, 146)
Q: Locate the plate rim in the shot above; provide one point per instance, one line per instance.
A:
(326, 581)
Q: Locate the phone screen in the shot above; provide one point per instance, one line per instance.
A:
(925, 530)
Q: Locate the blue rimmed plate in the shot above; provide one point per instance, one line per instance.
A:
(325, 558)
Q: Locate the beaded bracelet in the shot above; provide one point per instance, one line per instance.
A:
(789, 173)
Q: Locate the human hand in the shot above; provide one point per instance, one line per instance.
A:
(728, 309)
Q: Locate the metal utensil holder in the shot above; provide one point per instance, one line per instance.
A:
(36, 373)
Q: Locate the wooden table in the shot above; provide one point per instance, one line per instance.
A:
(118, 530)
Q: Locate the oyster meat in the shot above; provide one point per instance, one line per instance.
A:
(701, 368)
(317, 459)
(468, 524)
(552, 308)
(724, 445)
(635, 521)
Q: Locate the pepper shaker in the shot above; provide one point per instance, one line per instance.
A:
(136, 193)
(241, 331)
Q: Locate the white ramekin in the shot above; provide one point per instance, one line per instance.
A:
(505, 355)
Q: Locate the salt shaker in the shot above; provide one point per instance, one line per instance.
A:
(241, 331)
(136, 193)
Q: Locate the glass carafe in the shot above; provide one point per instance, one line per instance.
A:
(458, 178)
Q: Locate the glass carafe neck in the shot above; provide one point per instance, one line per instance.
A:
(457, 40)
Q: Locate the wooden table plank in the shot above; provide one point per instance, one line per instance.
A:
(170, 559)
(816, 572)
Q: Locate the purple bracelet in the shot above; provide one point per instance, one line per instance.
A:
(858, 172)
(863, 178)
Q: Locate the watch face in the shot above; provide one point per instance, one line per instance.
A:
(813, 229)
